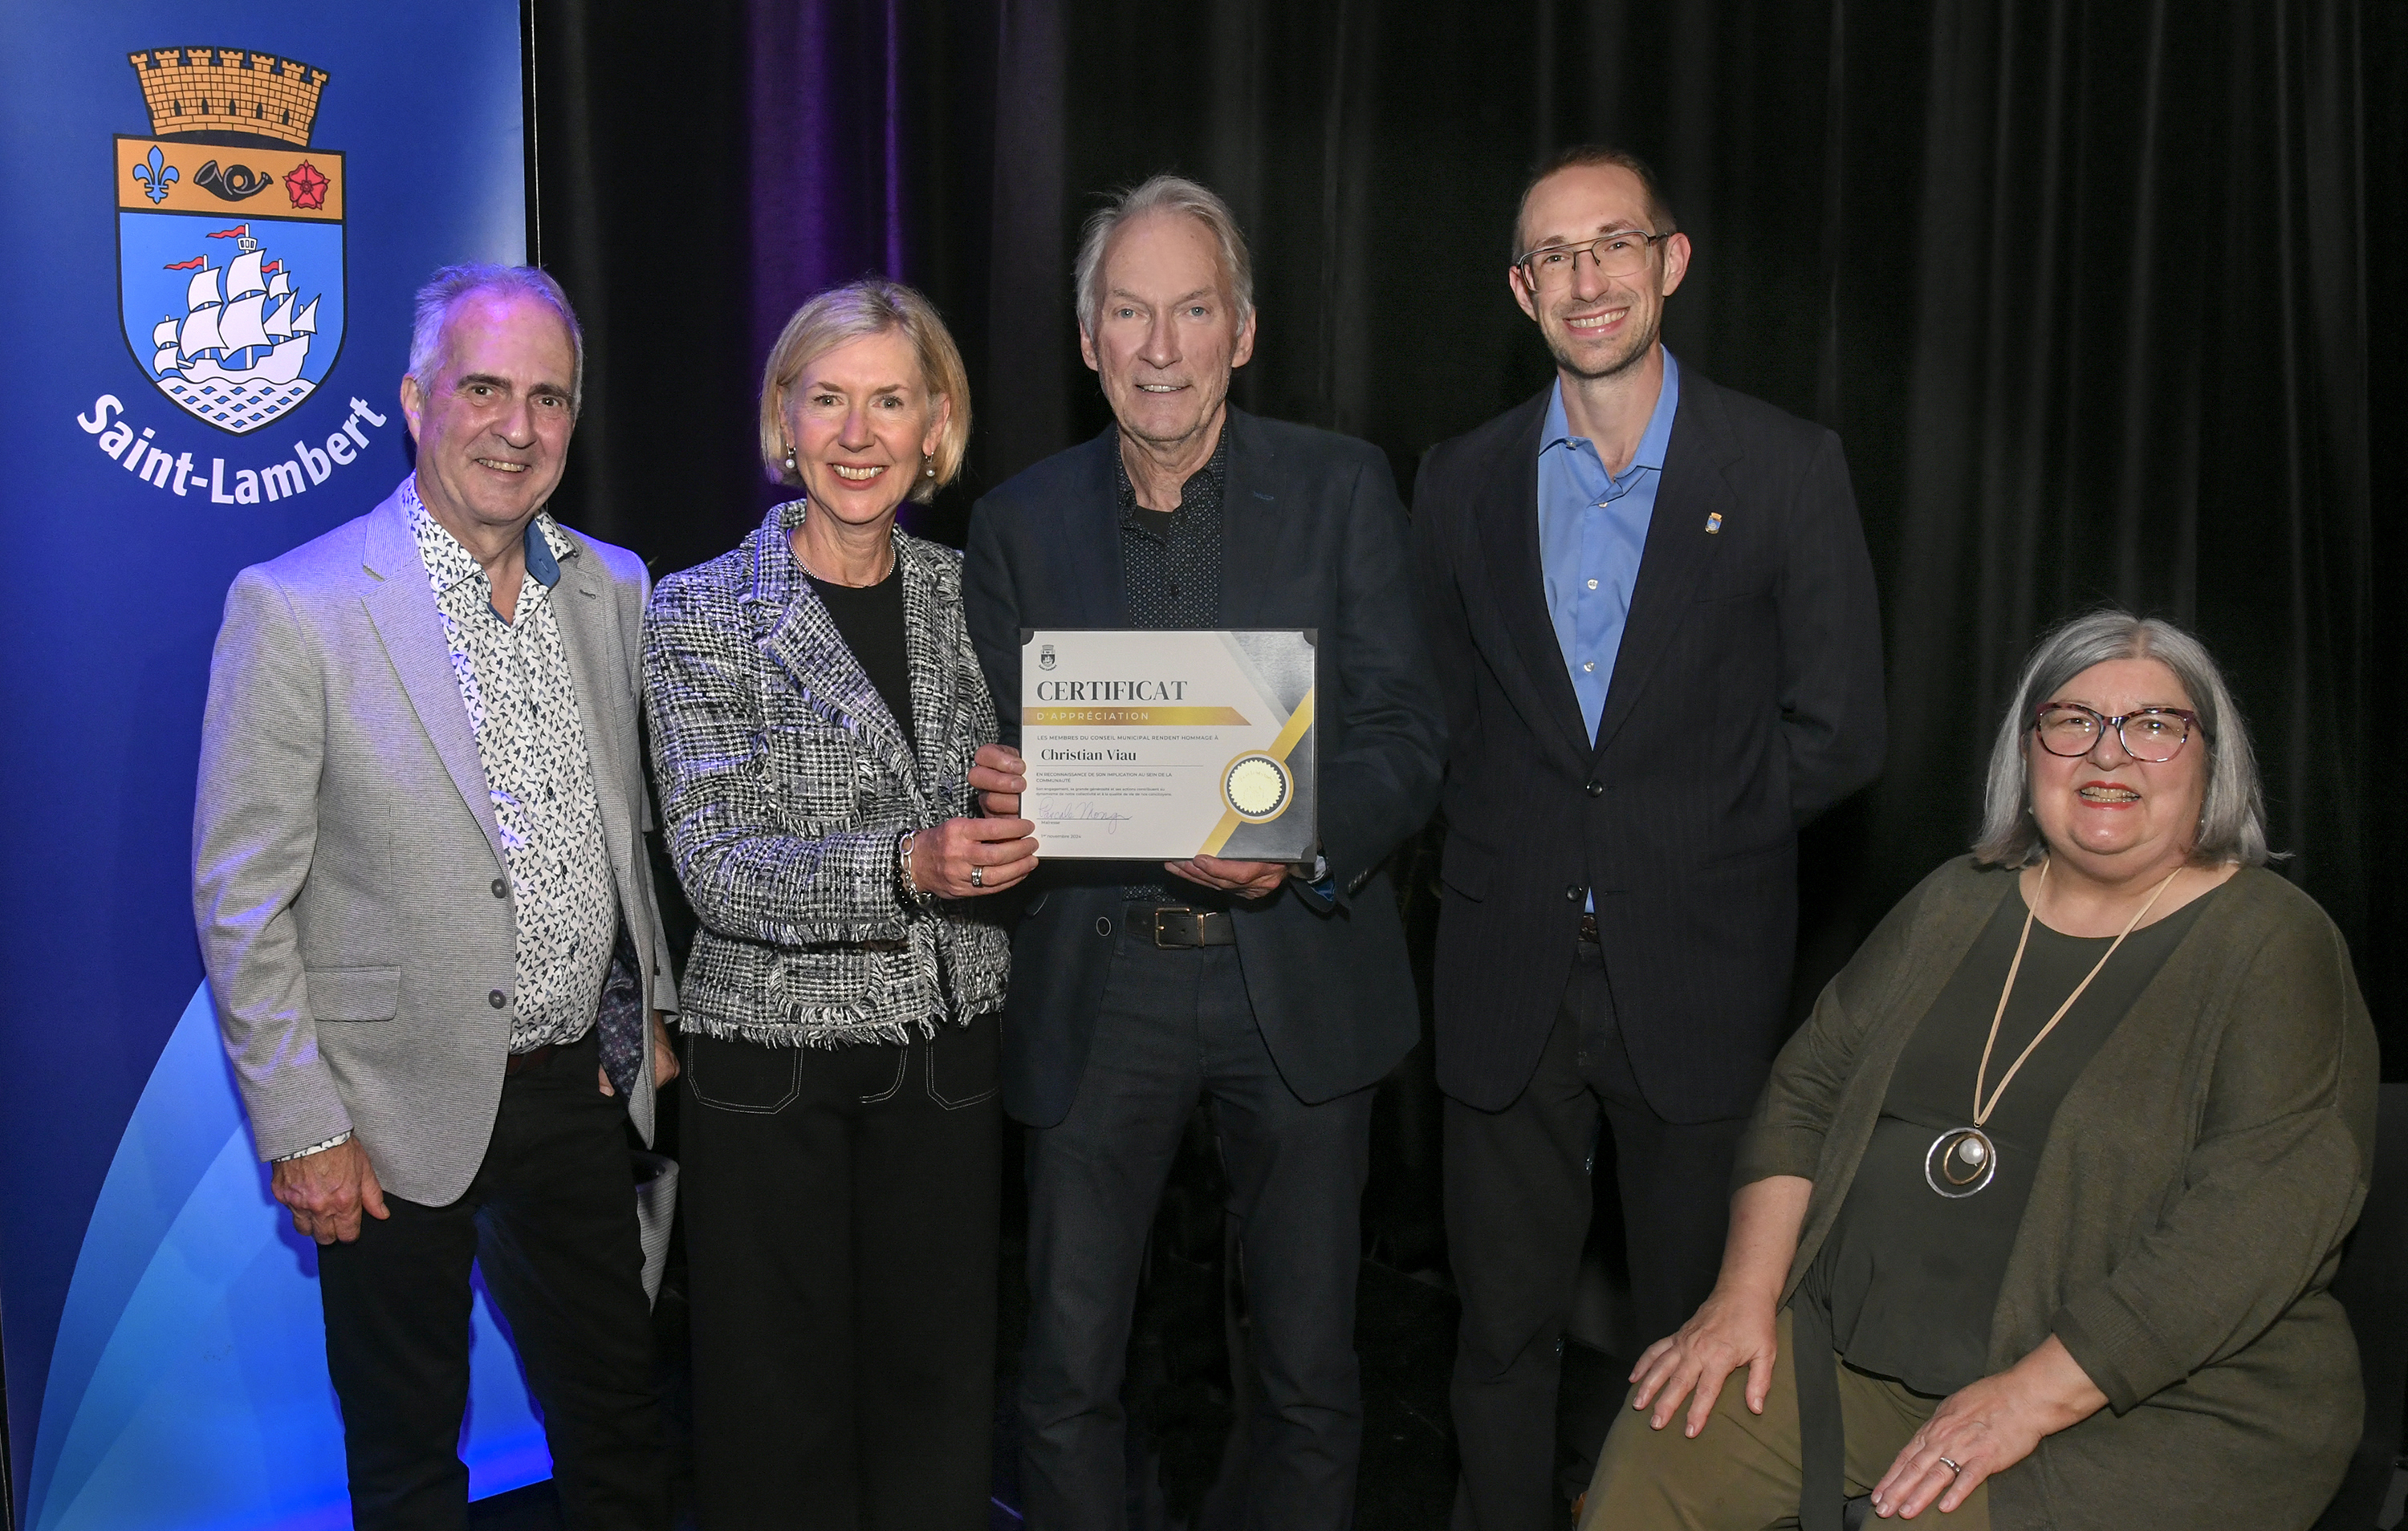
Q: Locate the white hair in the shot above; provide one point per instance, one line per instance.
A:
(1163, 193)
(449, 287)
(2231, 811)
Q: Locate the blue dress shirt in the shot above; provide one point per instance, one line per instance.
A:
(1592, 529)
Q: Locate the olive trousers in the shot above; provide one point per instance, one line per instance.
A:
(1741, 1471)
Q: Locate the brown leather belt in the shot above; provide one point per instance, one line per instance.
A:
(1172, 925)
(1588, 930)
(521, 1062)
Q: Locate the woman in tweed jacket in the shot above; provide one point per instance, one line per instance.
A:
(818, 725)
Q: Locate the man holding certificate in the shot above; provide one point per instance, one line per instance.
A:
(1199, 628)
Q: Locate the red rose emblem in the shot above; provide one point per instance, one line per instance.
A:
(305, 184)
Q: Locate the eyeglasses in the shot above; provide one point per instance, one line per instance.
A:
(2152, 733)
(1619, 253)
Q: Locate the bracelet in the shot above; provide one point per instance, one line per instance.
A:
(336, 1141)
(905, 889)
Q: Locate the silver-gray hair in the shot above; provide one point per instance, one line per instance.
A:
(2232, 810)
(454, 285)
(1163, 193)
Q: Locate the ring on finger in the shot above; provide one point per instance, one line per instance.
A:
(1950, 1466)
(978, 876)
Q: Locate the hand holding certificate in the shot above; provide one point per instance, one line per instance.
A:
(1168, 745)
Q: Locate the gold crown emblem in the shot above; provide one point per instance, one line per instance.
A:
(228, 90)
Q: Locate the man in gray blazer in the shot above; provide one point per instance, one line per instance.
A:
(419, 874)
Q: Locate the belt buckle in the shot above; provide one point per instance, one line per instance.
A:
(1162, 918)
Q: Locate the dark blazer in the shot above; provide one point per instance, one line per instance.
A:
(1746, 698)
(1312, 535)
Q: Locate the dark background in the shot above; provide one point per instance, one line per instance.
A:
(2104, 299)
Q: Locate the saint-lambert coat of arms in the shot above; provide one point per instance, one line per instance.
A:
(229, 234)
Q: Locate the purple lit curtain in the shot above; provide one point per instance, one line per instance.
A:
(825, 83)
(919, 140)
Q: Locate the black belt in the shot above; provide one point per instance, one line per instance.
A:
(521, 1062)
(1173, 924)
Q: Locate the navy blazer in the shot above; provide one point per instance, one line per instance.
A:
(1746, 698)
(1311, 536)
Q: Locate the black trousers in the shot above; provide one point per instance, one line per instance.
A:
(551, 1216)
(841, 1225)
(1176, 1026)
(1517, 1212)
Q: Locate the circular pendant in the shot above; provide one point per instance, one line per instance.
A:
(1960, 1162)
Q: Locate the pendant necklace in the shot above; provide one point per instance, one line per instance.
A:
(1963, 1160)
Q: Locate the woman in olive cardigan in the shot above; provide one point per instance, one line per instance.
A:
(2149, 1341)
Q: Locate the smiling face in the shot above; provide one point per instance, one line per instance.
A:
(1597, 325)
(1168, 337)
(2114, 818)
(492, 425)
(861, 420)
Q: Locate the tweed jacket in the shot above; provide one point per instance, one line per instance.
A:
(785, 782)
(2186, 1215)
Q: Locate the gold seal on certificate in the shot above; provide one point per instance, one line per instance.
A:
(1256, 788)
(1161, 745)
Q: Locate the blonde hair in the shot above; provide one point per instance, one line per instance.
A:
(851, 312)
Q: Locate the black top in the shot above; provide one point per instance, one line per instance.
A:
(1170, 560)
(1170, 574)
(1746, 698)
(870, 617)
(1910, 1277)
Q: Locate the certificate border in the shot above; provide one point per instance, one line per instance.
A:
(1280, 747)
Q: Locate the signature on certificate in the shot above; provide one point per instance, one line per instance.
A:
(1080, 810)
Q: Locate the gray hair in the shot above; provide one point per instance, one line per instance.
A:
(1163, 193)
(455, 284)
(2232, 810)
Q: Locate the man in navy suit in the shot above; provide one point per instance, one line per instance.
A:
(1278, 994)
(1654, 619)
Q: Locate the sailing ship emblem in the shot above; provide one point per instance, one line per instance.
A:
(237, 322)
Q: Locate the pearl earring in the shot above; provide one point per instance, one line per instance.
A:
(931, 462)
(789, 459)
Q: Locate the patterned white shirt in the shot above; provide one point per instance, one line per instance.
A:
(515, 682)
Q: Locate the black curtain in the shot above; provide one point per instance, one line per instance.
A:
(2104, 298)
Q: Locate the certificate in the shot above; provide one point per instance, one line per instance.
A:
(1159, 745)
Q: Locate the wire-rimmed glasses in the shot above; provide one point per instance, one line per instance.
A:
(1622, 252)
(2151, 733)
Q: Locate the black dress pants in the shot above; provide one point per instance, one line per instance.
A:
(1517, 1213)
(841, 1225)
(1175, 1026)
(551, 1216)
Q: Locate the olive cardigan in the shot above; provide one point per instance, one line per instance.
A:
(2186, 1217)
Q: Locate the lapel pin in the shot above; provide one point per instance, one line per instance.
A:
(1714, 523)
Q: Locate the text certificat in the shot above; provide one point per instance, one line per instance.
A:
(1162, 745)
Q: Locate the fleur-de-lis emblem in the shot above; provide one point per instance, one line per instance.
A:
(156, 176)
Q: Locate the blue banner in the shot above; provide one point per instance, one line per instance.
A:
(214, 223)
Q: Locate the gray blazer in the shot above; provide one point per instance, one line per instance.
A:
(348, 877)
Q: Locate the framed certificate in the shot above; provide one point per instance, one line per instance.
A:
(1159, 745)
